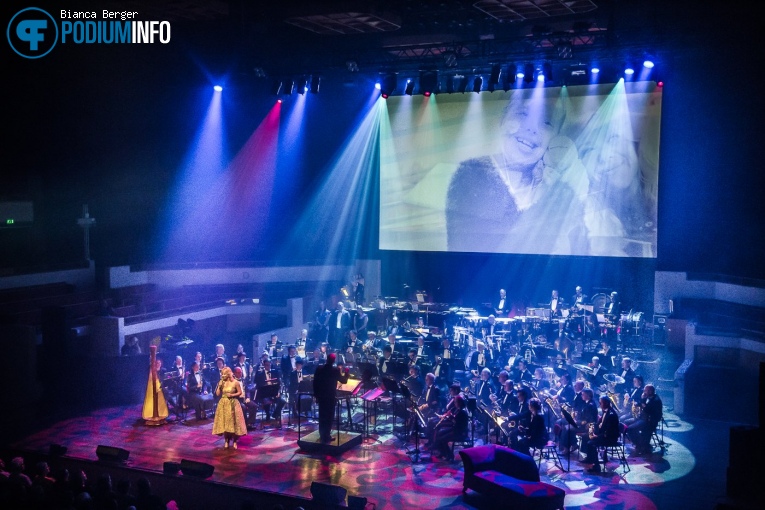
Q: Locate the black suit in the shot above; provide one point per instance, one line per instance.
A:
(337, 335)
(261, 381)
(534, 435)
(286, 367)
(607, 431)
(293, 386)
(200, 401)
(324, 389)
(441, 371)
(432, 397)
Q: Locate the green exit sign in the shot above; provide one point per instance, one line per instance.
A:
(9, 221)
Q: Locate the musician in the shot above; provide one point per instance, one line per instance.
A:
(360, 322)
(522, 374)
(131, 347)
(633, 398)
(567, 437)
(353, 348)
(492, 327)
(556, 304)
(650, 416)
(358, 289)
(220, 352)
(579, 299)
(263, 379)
(339, 325)
(288, 362)
(394, 329)
(446, 351)
(247, 371)
(200, 392)
(606, 433)
(239, 349)
(296, 377)
(563, 344)
(613, 307)
(508, 400)
(177, 370)
(325, 389)
(626, 373)
(482, 358)
(452, 430)
(390, 342)
(441, 371)
(502, 378)
(540, 381)
(414, 381)
(534, 435)
(411, 359)
(430, 398)
(302, 341)
(423, 356)
(598, 371)
(566, 393)
(606, 355)
(501, 306)
(484, 387)
(436, 420)
(274, 346)
(384, 365)
(324, 352)
(220, 364)
(321, 327)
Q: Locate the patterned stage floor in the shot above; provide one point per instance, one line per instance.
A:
(381, 470)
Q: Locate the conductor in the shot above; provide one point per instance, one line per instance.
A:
(324, 385)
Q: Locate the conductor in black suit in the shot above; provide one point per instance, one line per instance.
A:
(324, 387)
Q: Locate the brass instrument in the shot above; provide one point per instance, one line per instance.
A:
(636, 408)
(591, 430)
(614, 400)
(552, 403)
(626, 400)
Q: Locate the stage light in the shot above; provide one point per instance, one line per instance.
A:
(477, 83)
(648, 64)
(594, 70)
(302, 85)
(276, 88)
(378, 86)
(279, 101)
(218, 88)
(462, 83)
(388, 85)
(289, 87)
(315, 82)
(496, 72)
(508, 77)
(111, 454)
(409, 89)
(528, 73)
(428, 82)
(547, 71)
(519, 75)
(660, 84)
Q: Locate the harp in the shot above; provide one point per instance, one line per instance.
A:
(154, 405)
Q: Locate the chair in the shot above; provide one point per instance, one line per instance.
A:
(616, 450)
(462, 443)
(549, 451)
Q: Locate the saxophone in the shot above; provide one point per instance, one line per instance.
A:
(614, 400)
(591, 430)
(636, 408)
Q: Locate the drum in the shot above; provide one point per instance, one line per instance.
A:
(599, 303)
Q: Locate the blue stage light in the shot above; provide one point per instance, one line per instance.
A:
(218, 88)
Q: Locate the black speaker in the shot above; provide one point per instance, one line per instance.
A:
(171, 468)
(327, 495)
(196, 469)
(356, 503)
(111, 453)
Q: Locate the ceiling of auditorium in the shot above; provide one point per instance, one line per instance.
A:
(274, 38)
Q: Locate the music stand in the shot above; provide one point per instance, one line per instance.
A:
(392, 386)
(572, 424)
(305, 387)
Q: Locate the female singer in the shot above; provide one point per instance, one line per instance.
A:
(229, 419)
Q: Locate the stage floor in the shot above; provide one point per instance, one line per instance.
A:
(690, 474)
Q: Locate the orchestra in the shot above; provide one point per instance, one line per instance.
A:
(532, 376)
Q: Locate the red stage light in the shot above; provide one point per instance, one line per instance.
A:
(385, 96)
(660, 84)
(427, 94)
(279, 101)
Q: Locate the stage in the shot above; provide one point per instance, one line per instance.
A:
(380, 470)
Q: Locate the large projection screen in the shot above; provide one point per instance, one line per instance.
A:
(557, 170)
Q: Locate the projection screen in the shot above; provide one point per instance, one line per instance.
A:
(558, 170)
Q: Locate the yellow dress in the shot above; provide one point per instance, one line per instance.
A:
(229, 416)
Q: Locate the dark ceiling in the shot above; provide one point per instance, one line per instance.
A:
(277, 39)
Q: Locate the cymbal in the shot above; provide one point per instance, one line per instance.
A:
(583, 368)
(614, 379)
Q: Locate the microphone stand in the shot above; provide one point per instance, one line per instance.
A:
(415, 452)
